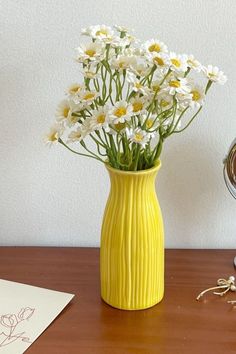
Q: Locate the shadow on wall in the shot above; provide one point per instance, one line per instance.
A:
(188, 191)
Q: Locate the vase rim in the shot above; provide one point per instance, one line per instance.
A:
(155, 168)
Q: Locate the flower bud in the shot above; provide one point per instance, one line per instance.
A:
(8, 320)
(25, 313)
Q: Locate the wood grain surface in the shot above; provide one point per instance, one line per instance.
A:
(178, 325)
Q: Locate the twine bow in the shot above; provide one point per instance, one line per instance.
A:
(224, 286)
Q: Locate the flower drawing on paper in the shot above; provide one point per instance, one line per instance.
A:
(10, 323)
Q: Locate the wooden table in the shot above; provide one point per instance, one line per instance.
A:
(178, 325)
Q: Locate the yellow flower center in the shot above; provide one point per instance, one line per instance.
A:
(101, 118)
(137, 106)
(190, 62)
(164, 103)
(102, 32)
(196, 95)
(53, 137)
(159, 61)
(138, 137)
(90, 52)
(156, 88)
(138, 85)
(89, 74)
(211, 75)
(77, 135)
(176, 62)
(121, 111)
(89, 96)
(174, 83)
(119, 126)
(121, 64)
(74, 89)
(66, 112)
(73, 119)
(154, 48)
(149, 123)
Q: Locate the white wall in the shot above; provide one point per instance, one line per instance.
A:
(50, 197)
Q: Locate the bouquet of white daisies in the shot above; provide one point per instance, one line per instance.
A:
(131, 98)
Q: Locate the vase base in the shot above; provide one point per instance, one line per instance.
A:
(130, 308)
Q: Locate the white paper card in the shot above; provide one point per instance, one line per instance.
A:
(25, 312)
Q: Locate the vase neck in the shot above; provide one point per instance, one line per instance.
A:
(133, 181)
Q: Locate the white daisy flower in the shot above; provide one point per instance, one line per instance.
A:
(86, 31)
(54, 134)
(138, 104)
(137, 86)
(161, 60)
(154, 46)
(138, 136)
(86, 97)
(140, 69)
(121, 112)
(155, 86)
(118, 127)
(123, 43)
(159, 75)
(194, 63)
(178, 62)
(151, 123)
(133, 51)
(100, 119)
(118, 42)
(140, 88)
(184, 100)
(86, 127)
(74, 89)
(123, 29)
(214, 74)
(65, 110)
(165, 101)
(90, 72)
(76, 136)
(102, 32)
(198, 96)
(176, 85)
(122, 62)
(131, 38)
(90, 52)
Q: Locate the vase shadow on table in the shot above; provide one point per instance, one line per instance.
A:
(189, 187)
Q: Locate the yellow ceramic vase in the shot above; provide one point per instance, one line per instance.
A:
(132, 241)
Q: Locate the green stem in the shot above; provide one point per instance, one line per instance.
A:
(187, 72)
(150, 74)
(137, 157)
(208, 86)
(97, 141)
(82, 143)
(181, 130)
(176, 124)
(168, 72)
(113, 151)
(158, 150)
(76, 152)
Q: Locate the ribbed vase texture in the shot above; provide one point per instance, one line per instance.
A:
(132, 241)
